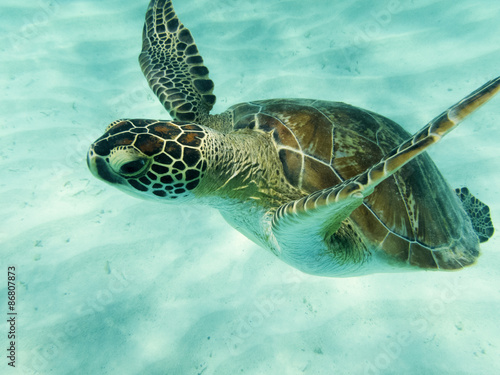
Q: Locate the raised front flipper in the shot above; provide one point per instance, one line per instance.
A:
(302, 228)
(173, 67)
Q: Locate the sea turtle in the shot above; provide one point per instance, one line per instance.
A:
(320, 184)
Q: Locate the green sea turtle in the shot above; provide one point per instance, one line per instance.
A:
(320, 184)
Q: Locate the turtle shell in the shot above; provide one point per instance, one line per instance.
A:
(413, 216)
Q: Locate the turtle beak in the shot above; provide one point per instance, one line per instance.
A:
(100, 168)
(89, 162)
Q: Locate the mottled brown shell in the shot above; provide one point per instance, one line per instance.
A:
(411, 216)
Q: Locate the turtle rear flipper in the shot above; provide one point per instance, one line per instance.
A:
(479, 214)
(172, 65)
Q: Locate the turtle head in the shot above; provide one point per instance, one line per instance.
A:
(150, 159)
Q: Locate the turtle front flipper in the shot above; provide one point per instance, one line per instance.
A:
(479, 214)
(173, 67)
(312, 233)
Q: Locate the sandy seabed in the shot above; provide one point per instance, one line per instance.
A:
(108, 284)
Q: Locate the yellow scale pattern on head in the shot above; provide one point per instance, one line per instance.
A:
(173, 149)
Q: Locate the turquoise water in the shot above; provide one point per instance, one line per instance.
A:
(108, 284)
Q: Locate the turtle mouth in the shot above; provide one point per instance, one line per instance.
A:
(100, 169)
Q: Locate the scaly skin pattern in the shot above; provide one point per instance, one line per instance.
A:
(151, 158)
(181, 161)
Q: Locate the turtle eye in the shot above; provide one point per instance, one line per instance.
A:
(133, 167)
